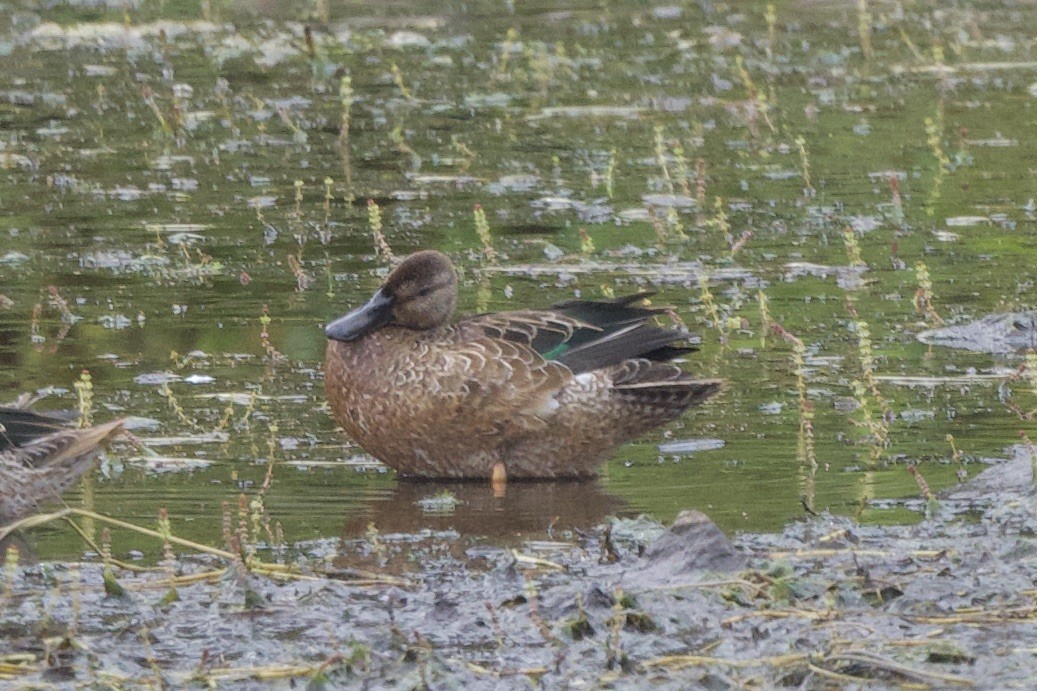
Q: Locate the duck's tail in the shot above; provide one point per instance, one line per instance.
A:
(19, 426)
(663, 387)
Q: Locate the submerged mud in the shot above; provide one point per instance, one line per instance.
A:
(948, 602)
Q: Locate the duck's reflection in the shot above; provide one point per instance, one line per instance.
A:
(521, 509)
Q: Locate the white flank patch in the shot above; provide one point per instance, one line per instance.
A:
(585, 379)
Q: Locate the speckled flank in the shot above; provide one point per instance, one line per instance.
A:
(37, 472)
(445, 403)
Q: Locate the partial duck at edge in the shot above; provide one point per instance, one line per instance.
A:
(41, 457)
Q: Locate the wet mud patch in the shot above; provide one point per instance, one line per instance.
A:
(946, 603)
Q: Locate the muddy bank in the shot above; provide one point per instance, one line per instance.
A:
(949, 602)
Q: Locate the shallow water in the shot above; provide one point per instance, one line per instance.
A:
(148, 172)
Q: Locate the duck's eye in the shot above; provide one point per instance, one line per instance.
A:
(424, 291)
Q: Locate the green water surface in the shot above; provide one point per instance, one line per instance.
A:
(177, 171)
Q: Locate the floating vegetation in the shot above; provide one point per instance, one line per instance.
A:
(924, 295)
(374, 222)
(482, 229)
(440, 503)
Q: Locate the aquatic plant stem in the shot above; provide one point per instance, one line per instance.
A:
(42, 519)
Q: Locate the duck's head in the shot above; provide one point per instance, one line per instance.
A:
(419, 294)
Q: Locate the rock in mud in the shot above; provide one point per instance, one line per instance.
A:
(692, 545)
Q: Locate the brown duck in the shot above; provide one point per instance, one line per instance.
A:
(41, 457)
(528, 394)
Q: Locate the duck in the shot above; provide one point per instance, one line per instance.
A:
(529, 394)
(41, 456)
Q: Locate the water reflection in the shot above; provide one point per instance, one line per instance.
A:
(521, 510)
